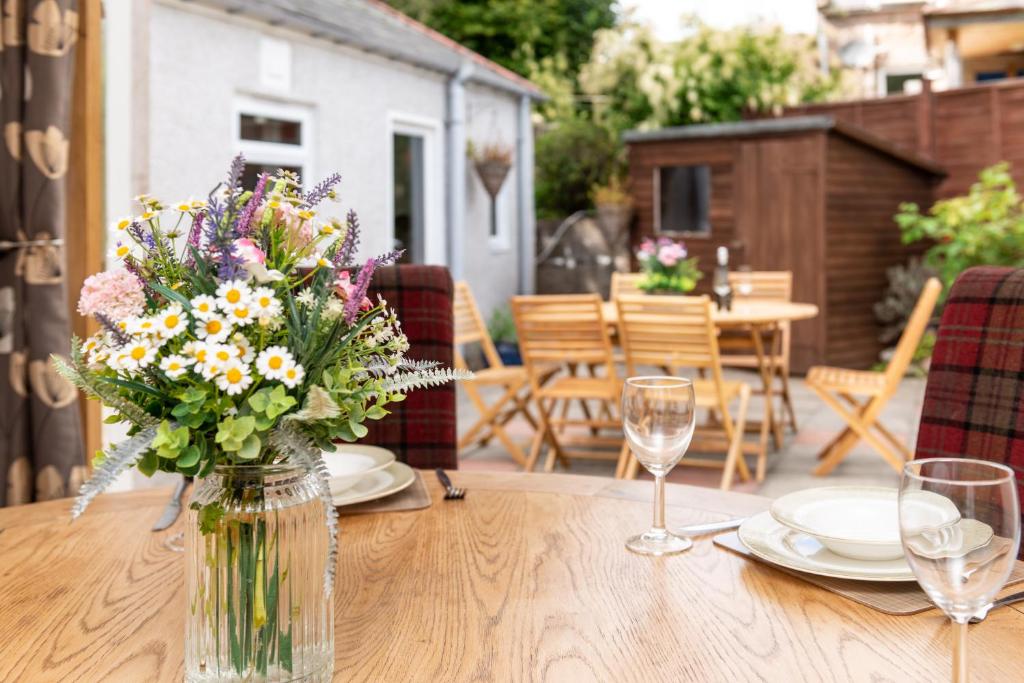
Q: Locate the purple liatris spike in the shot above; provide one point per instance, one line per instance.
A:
(235, 175)
(343, 256)
(195, 236)
(116, 333)
(358, 293)
(320, 191)
(244, 224)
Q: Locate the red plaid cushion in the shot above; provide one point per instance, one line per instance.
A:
(974, 400)
(421, 429)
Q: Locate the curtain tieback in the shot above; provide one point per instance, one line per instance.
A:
(6, 245)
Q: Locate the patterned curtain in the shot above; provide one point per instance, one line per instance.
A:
(41, 447)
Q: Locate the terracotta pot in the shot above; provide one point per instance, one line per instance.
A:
(492, 173)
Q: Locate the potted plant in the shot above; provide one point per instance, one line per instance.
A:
(492, 162)
(238, 346)
(666, 267)
(502, 329)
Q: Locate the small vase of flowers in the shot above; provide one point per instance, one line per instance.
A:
(239, 343)
(666, 267)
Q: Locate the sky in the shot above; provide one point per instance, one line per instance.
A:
(795, 16)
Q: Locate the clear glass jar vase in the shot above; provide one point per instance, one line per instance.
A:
(255, 551)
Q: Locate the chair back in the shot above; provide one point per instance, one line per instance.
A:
(470, 327)
(766, 285)
(972, 402)
(672, 331)
(421, 429)
(912, 333)
(625, 283)
(562, 329)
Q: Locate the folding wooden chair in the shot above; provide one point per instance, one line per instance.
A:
(511, 379)
(738, 347)
(841, 390)
(625, 283)
(568, 331)
(678, 332)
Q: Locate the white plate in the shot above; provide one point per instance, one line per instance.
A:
(858, 522)
(394, 478)
(778, 544)
(351, 462)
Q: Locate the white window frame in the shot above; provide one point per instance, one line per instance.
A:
(275, 153)
(435, 248)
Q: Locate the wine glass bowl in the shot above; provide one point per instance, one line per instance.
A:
(658, 421)
(960, 530)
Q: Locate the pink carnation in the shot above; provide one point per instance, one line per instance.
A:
(247, 250)
(344, 287)
(115, 293)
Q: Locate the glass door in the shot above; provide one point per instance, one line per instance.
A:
(408, 200)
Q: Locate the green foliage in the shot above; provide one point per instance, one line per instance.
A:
(518, 33)
(572, 156)
(984, 227)
(501, 326)
(905, 285)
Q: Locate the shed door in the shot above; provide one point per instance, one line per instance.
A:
(779, 207)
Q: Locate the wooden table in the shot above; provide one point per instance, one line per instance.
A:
(526, 579)
(763, 320)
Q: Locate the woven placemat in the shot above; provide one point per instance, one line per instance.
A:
(415, 497)
(899, 598)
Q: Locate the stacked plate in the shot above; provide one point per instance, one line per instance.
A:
(362, 473)
(846, 532)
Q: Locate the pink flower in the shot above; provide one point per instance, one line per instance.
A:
(115, 293)
(344, 287)
(300, 231)
(247, 250)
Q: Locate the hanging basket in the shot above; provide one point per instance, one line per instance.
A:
(492, 174)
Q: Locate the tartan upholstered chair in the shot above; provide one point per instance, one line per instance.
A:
(974, 399)
(421, 429)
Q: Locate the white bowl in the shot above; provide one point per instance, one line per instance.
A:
(350, 463)
(859, 522)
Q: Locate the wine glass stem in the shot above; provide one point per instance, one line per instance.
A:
(959, 651)
(659, 504)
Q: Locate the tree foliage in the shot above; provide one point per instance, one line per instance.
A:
(572, 156)
(518, 33)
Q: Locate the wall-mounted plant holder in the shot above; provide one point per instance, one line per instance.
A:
(492, 165)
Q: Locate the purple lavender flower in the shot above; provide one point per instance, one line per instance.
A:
(244, 224)
(195, 235)
(320, 192)
(235, 175)
(343, 256)
(358, 293)
(116, 333)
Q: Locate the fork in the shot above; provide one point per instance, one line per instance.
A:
(1008, 600)
(450, 492)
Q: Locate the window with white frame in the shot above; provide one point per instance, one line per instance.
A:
(273, 135)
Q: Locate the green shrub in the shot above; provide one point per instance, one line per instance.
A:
(984, 227)
(572, 156)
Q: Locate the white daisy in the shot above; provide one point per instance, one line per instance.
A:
(171, 322)
(122, 223)
(143, 326)
(232, 293)
(222, 353)
(174, 366)
(211, 369)
(185, 205)
(204, 307)
(214, 329)
(199, 352)
(140, 353)
(241, 315)
(264, 303)
(273, 361)
(235, 378)
(293, 375)
(245, 352)
(120, 252)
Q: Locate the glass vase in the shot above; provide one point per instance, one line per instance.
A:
(255, 551)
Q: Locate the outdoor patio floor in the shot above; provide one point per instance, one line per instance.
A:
(789, 468)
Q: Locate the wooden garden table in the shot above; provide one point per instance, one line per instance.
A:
(763, 319)
(525, 579)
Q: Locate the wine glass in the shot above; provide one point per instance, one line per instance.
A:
(658, 416)
(960, 529)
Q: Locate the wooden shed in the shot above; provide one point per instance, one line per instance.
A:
(808, 194)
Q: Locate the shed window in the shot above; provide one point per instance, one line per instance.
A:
(684, 198)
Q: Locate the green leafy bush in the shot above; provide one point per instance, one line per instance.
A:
(572, 156)
(984, 227)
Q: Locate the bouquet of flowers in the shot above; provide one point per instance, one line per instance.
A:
(666, 267)
(238, 331)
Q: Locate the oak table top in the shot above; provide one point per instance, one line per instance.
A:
(743, 313)
(525, 579)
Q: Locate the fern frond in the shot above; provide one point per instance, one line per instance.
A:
(318, 406)
(76, 373)
(291, 442)
(118, 458)
(421, 379)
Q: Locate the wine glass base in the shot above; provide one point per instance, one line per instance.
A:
(656, 544)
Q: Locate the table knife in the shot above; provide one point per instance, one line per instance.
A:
(709, 528)
(173, 509)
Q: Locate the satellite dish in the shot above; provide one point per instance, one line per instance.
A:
(857, 54)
